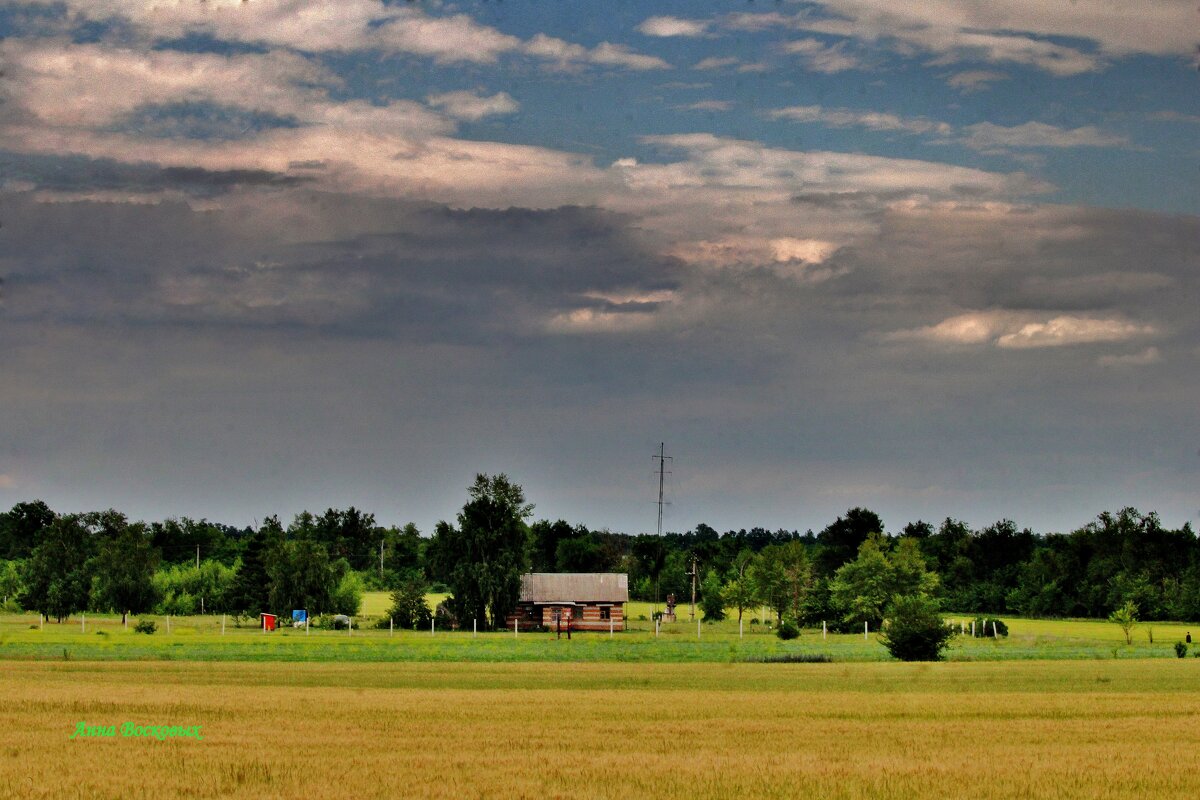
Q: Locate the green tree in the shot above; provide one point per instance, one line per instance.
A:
(21, 528)
(57, 574)
(483, 557)
(740, 590)
(251, 590)
(124, 572)
(862, 588)
(10, 579)
(409, 608)
(712, 597)
(302, 577)
(915, 630)
(1126, 617)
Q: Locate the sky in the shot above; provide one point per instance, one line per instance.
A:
(938, 259)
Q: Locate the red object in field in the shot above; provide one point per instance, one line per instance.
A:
(268, 621)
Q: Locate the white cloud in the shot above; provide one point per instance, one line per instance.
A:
(1067, 330)
(820, 57)
(975, 80)
(672, 26)
(1024, 330)
(1140, 359)
(621, 56)
(872, 120)
(471, 106)
(1003, 31)
(708, 105)
(715, 62)
(986, 136)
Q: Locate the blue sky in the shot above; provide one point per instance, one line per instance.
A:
(938, 259)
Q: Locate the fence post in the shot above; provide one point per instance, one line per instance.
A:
(741, 630)
(432, 625)
(866, 629)
(168, 623)
(610, 624)
(514, 629)
(306, 618)
(474, 628)
(350, 627)
(972, 629)
(83, 622)
(823, 630)
(391, 625)
(222, 624)
(697, 629)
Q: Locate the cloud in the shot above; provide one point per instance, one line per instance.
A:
(1144, 358)
(975, 80)
(334, 26)
(986, 136)
(820, 57)
(1004, 32)
(715, 62)
(471, 106)
(1023, 330)
(846, 118)
(672, 26)
(708, 105)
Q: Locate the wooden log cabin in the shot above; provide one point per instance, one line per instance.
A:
(590, 601)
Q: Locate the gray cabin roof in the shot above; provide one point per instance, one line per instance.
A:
(598, 587)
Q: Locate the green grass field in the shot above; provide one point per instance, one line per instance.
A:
(1099, 729)
(103, 638)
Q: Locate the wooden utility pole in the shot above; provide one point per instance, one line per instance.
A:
(693, 574)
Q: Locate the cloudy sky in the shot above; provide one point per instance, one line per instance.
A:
(936, 258)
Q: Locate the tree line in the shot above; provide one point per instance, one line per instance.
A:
(845, 574)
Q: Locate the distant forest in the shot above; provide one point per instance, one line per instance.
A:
(63, 563)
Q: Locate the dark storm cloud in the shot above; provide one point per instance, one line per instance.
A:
(79, 173)
(379, 268)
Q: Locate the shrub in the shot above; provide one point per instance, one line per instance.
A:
(915, 630)
(791, 658)
(983, 626)
(145, 626)
(1180, 649)
(409, 609)
(754, 620)
(787, 630)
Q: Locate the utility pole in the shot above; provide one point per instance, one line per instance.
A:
(381, 558)
(197, 556)
(693, 574)
(663, 458)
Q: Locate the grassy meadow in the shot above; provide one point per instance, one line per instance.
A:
(200, 638)
(1098, 729)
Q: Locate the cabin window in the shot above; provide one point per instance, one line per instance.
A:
(604, 613)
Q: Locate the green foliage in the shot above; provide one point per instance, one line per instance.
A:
(250, 594)
(787, 630)
(1125, 618)
(181, 587)
(57, 574)
(990, 626)
(862, 588)
(124, 573)
(915, 630)
(483, 557)
(1181, 649)
(10, 578)
(21, 528)
(783, 577)
(712, 597)
(409, 608)
(145, 626)
(346, 597)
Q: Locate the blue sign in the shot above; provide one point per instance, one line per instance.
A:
(299, 615)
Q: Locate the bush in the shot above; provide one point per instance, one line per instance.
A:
(915, 630)
(791, 658)
(145, 626)
(347, 597)
(1180, 649)
(409, 609)
(787, 630)
(983, 627)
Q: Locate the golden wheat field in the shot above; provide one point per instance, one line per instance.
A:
(1096, 729)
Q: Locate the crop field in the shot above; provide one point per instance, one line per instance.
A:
(1098, 729)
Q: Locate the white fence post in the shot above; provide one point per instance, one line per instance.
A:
(823, 634)
(972, 629)
(697, 629)
(741, 630)
(610, 624)
(168, 623)
(514, 629)
(866, 629)
(350, 627)
(391, 625)
(222, 624)
(474, 628)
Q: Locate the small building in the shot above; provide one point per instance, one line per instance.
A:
(588, 601)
